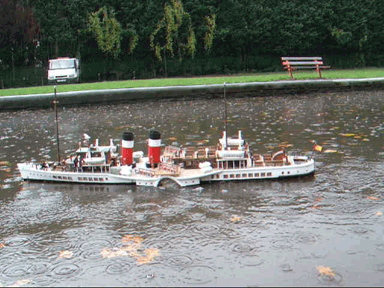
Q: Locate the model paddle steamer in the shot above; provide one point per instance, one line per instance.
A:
(230, 160)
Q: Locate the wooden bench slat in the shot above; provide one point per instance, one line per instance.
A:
(301, 58)
(303, 63)
(307, 67)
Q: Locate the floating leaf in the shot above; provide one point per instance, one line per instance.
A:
(20, 282)
(129, 238)
(108, 253)
(131, 250)
(318, 148)
(285, 145)
(365, 140)
(348, 134)
(330, 151)
(379, 213)
(65, 254)
(150, 255)
(2, 245)
(235, 219)
(172, 138)
(322, 270)
(4, 163)
(372, 198)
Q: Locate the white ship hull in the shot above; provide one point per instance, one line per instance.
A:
(153, 177)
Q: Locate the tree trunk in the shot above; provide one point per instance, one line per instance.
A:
(13, 66)
(165, 65)
(56, 49)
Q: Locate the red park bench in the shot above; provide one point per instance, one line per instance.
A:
(295, 63)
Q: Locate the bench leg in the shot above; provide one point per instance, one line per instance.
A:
(319, 71)
(290, 73)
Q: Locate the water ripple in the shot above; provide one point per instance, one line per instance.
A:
(178, 261)
(282, 244)
(205, 228)
(198, 275)
(16, 271)
(330, 280)
(18, 241)
(153, 275)
(118, 267)
(307, 238)
(65, 270)
(177, 228)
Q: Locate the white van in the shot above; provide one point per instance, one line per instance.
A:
(64, 69)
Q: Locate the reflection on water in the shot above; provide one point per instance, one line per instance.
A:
(319, 230)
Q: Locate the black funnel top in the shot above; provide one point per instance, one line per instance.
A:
(154, 135)
(128, 136)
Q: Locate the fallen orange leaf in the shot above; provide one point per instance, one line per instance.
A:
(151, 253)
(2, 245)
(20, 282)
(379, 213)
(330, 151)
(372, 198)
(235, 219)
(129, 238)
(108, 253)
(322, 270)
(65, 254)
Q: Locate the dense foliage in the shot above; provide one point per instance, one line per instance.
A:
(158, 38)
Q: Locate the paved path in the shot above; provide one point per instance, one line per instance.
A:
(215, 90)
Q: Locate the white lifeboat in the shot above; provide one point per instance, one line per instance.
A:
(205, 167)
(230, 153)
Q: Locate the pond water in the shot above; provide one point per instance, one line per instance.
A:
(324, 230)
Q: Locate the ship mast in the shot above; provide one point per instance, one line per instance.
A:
(225, 118)
(55, 102)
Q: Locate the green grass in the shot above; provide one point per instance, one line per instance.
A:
(159, 82)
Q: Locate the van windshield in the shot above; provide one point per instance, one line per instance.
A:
(62, 64)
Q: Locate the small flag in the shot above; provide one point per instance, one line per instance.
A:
(318, 148)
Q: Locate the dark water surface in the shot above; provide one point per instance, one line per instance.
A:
(325, 230)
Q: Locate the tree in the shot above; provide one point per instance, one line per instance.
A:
(107, 31)
(172, 38)
(18, 30)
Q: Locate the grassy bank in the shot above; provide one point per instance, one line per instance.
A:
(159, 82)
